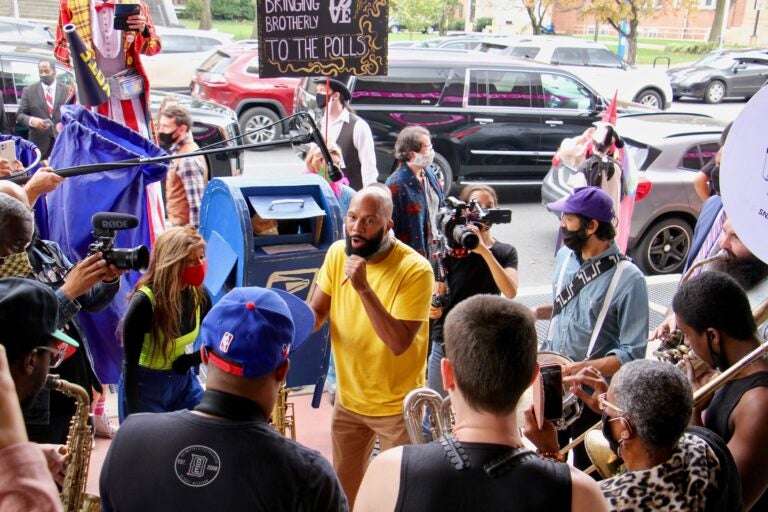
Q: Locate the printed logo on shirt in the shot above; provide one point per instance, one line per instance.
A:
(197, 465)
(226, 340)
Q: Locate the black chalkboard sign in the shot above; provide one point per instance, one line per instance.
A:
(322, 37)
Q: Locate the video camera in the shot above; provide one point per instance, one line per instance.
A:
(455, 237)
(105, 226)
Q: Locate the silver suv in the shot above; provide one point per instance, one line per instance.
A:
(594, 63)
(668, 149)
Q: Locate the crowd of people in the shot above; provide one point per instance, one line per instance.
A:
(407, 305)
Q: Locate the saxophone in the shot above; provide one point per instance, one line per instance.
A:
(79, 444)
(283, 419)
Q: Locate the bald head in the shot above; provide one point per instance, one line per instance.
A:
(14, 190)
(380, 194)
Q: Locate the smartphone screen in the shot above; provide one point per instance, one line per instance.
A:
(122, 12)
(552, 380)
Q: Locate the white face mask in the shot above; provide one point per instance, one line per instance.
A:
(422, 160)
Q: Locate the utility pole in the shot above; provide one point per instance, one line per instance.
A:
(468, 16)
(724, 23)
(15, 8)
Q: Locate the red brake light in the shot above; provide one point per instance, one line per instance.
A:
(643, 188)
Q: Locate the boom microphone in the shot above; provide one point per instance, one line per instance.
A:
(110, 221)
(334, 172)
(91, 84)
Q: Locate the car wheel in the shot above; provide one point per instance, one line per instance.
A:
(650, 98)
(260, 118)
(664, 247)
(715, 92)
(443, 172)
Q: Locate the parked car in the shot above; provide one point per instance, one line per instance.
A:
(211, 123)
(230, 77)
(14, 30)
(495, 120)
(182, 52)
(668, 149)
(594, 63)
(720, 74)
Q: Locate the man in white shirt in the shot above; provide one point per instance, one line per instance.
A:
(39, 108)
(348, 131)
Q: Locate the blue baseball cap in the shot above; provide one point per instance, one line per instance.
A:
(251, 331)
(591, 202)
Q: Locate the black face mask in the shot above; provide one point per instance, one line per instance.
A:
(48, 79)
(166, 140)
(574, 240)
(612, 443)
(320, 100)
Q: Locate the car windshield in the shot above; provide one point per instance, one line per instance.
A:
(716, 61)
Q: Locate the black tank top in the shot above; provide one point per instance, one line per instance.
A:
(494, 478)
(723, 403)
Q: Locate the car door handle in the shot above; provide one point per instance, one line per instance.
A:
(484, 120)
(553, 122)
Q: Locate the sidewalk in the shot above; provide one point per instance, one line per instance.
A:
(313, 426)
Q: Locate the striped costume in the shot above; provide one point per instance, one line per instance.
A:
(133, 113)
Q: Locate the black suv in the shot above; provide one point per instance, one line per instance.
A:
(212, 123)
(493, 120)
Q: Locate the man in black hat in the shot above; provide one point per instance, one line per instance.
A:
(28, 318)
(348, 131)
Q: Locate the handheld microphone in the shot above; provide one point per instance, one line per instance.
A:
(110, 221)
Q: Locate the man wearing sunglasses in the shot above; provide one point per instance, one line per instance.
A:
(28, 317)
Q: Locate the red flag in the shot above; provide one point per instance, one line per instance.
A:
(609, 116)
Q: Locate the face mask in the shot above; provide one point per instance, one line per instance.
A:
(16, 265)
(195, 275)
(48, 79)
(320, 100)
(423, 160)
(612, 443)
(166, 140)
(574, 240)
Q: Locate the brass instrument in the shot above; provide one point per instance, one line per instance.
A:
(415, 408)
(79, 445)
(283, 419)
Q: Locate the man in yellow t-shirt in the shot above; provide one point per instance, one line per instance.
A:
(377, 292)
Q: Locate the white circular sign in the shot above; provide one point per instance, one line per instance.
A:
(744, 175)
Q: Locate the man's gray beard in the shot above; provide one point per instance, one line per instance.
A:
(747, 272)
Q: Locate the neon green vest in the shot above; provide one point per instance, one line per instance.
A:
(146, 360)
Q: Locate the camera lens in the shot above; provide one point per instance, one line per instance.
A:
(129, 259)
(465, 238)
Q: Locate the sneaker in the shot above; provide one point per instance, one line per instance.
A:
(103, 427)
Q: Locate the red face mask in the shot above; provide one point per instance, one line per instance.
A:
(195, 274)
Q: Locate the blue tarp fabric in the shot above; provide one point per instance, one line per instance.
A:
(89, 138)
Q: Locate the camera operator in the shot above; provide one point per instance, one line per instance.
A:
(89, 285)
(491, 268)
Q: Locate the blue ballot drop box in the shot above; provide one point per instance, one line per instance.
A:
(307, 218)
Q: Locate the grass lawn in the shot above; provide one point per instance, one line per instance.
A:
(239, 29)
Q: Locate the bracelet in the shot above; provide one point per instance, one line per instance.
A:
(556, 456)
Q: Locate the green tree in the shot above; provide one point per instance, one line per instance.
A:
(614, 11)
(537, 10)
(419, 14)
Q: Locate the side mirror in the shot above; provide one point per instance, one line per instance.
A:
(738, 67)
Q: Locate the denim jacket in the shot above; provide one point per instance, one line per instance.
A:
(625, 330)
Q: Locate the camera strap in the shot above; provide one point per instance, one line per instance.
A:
(582, 278)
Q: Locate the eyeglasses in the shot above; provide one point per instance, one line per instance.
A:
(605, 404)
(57, 356)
